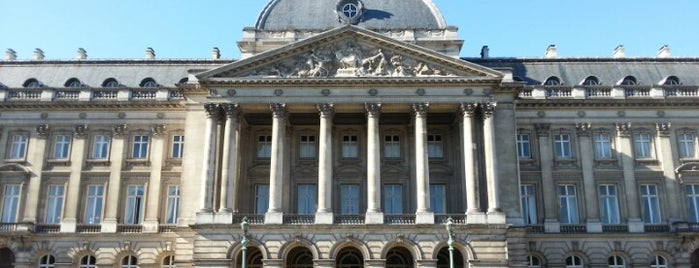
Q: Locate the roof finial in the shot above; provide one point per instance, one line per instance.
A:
(38, 54)
(216, 53)
(150, 53)
(619, 52)
(81, 54)
(664, 52)
(551, 52)
(10, 54)
(485, 52)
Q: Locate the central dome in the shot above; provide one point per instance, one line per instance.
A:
(281, 15)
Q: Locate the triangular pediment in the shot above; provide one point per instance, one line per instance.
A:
(349, 52)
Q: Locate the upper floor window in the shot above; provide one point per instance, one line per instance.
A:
(552, 81)
(129, 262)
(523, 146)
(568, 204)
(392, 146)
(658, 262)
(61, 146)
(562, 145)
(528, 199)
(349, 196)
(350, 147)
(100, 147)
(650, 204)
(616, 262)
(173, 204)
(88, 262)
(261, 198)
(10, 202)
(18, 146)
(177, 146)
(306, 199)
(686, 143)
(54, 204)
(264, 147)
(73, 83)
(609, 204)
(603, 145)
(148, 82)
(307, 147)
(574, 262)
(692, 191)
(111, 83)
(434, 146)
(629, 81)
(139, 149)
(47, 261)
(135, 202)
(393, 198)
(591, 81)
(32, 83)
(642, 145)
(438, 198)
(93, 206)
(672, 81)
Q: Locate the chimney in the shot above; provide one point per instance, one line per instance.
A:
(150, 53)
(10, 54)
(81, 54)
(38, 54)
(551, 52)
(619, 52)
(485, 52)
(216, 53)
(664, 52)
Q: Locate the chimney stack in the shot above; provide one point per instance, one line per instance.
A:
(38, 54)
(216, 53)
(10, 54)
(485, 52)
(81, 54)
(551, 52)
(664, 52)
(619, 52)
(150, 53)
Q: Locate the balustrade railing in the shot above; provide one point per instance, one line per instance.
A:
(253, 219)
(615, 228)
(598, 92)
(88, 228)
(105, 94)
(8, 226)
(573, 229)
(129, 228)
(535, 229)
(681, 92)
(559, 93)
(176, 94)
(47, 228)
(458, 219)
(299, 219)
(656, 228)
(143, 94)
(399, 219)
(636, 93)
(349, 219)
(67, 94)
(24, 94)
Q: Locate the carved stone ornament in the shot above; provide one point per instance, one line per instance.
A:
(231, 110)
(349, 58)
(663, 129)
(80, 130)
(468, 109)
(488, 109)
(583, 129)
(624, 129)
(43, 130)
(158, 129)
(543, 130)
(326, 109)
(278, 109)
(420, 109)
(373, 109)
(119, 130)
(212, 110)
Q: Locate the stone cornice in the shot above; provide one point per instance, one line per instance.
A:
(362, 81)
(607, 103)
(92, 106)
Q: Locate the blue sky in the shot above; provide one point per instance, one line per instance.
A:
(189, 29)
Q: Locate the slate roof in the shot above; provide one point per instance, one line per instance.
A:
(281, 15)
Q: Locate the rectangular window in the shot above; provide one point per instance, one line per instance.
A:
(568, 204)
(434, 146)
(18, 147)
(392, 146)
(603, 146)
(687, 145)
(140, 147)
(693, 201)
(650, 204)
(135, 201)
(642, 145)
(93, 206)
(349, 195)
(100, 147)
(523, 146)
(528, 199)
(173, 204)
(350, 147)
(61, 147)
(307, 147)
(306, 199)
(54, 204)
(609, 204)
(10, 203)
(393, 198)
(264, 147)
(177, 146)
(561, 144)
(438, 198)
(261, 198)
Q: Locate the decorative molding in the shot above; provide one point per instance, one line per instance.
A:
(80, 131)
(583, 129)
(488, 109)
(278, 109)
(43, 130)
(373, 109)
(119, 130)
(663, 128)
(158, 130)
(420, 109)
(543, 130)
(623, 129)
(231, 110)
(468, 109)
(326, 109)
(212, 110)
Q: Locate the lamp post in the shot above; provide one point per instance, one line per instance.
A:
(450, 242)
(244, 242)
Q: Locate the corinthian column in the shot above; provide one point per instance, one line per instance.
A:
(424, 214)
(213, 112)
(491, 164)
(373, 213)
(324, 214)
(276, 173)
(474, 213)
(229, 169)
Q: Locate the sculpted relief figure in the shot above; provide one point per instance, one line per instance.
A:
(316, 66)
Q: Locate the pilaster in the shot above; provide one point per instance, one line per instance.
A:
(150, 224)
(628, 165)
(116, 157)
(77, 158)
(587, 158)
(551, 224)
(495, 213)
(669, 162)
(205, 215)
(35, 158)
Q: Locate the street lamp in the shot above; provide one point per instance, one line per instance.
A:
(450, 242)
(244, 242)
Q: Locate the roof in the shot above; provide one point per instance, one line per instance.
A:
(281, 15)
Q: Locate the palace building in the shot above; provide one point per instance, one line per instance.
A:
(347, 135)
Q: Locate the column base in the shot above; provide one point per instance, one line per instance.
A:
(150, 226)
(593, 226)
(273, 217)
(109, 226)
(496, 217)
(373, 218)
(636, 226)
(223, 217)
(205, 217)
(325, 218)
(475, 217)
(69, 225)
(552, 226)
(424, 218)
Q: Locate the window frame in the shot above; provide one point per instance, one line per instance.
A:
(392, 141)
(66, 146)
(101, 146)
(349, 146)
(99, 207)
(129, 261)
(355, 201)
(54, 204)
(137, 150)
(563, 145)
(308, 146)
(88, 261)
(653, 201)
(306, 198)
(640, 145)
(616, 261)
(607, 150)
(523, 144)
(608, 202)
(573, 264)
(179, 144)
(439, 196)
(47, 261)
(396, 198)
(435, 146)
(16, 202)
(529, 208)
(17, 154)
(655, 263)
(570, 199)
(264, 147)
(687, 146)
(260, 199)
(172, 204)
(134, 204)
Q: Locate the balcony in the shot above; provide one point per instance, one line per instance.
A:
(349, 219)
(299, 219)
(47, 228)
(656, 228)
(399, 219)
(573, 229)
(615, 228)
(88, 228)
(458, 219)
(253, 219)
(129, 228)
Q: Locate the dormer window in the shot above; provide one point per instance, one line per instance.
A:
(110, 82)
(672, 81)
(629, 81)
(552, 81)
(73, 83)
(148, 82)
(591, 81)
(32, 83)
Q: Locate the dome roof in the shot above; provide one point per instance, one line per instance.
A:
(281, 15)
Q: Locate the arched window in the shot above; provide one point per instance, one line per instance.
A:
(183, 80)
(88, 261)
(169, 262)
(47, 261)
(32, 83)
(658, 262)
(552, 81)
(574, 262)
(399, 258)
(110, 82)
(672, 81)
(7, 258)
(254, 256)
(299, 258)
(533, 262)
(629, 81)
(591, 81)
(129, 262)
(443, 258)
(148, 82)
(616, 262)
(349, 258)
(73, 83)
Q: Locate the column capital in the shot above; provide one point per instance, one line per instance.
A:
(543, 130)
(278, 109)
(326, 109)
(623, 129)
(158, 130)
(420, 109)
(231, 110)
(663, 128)
(468, 109)
(212, 110)
(119, 130)
(373, 109)
(488, 109)
(43, 130)
(80, 130)
(583, 129)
